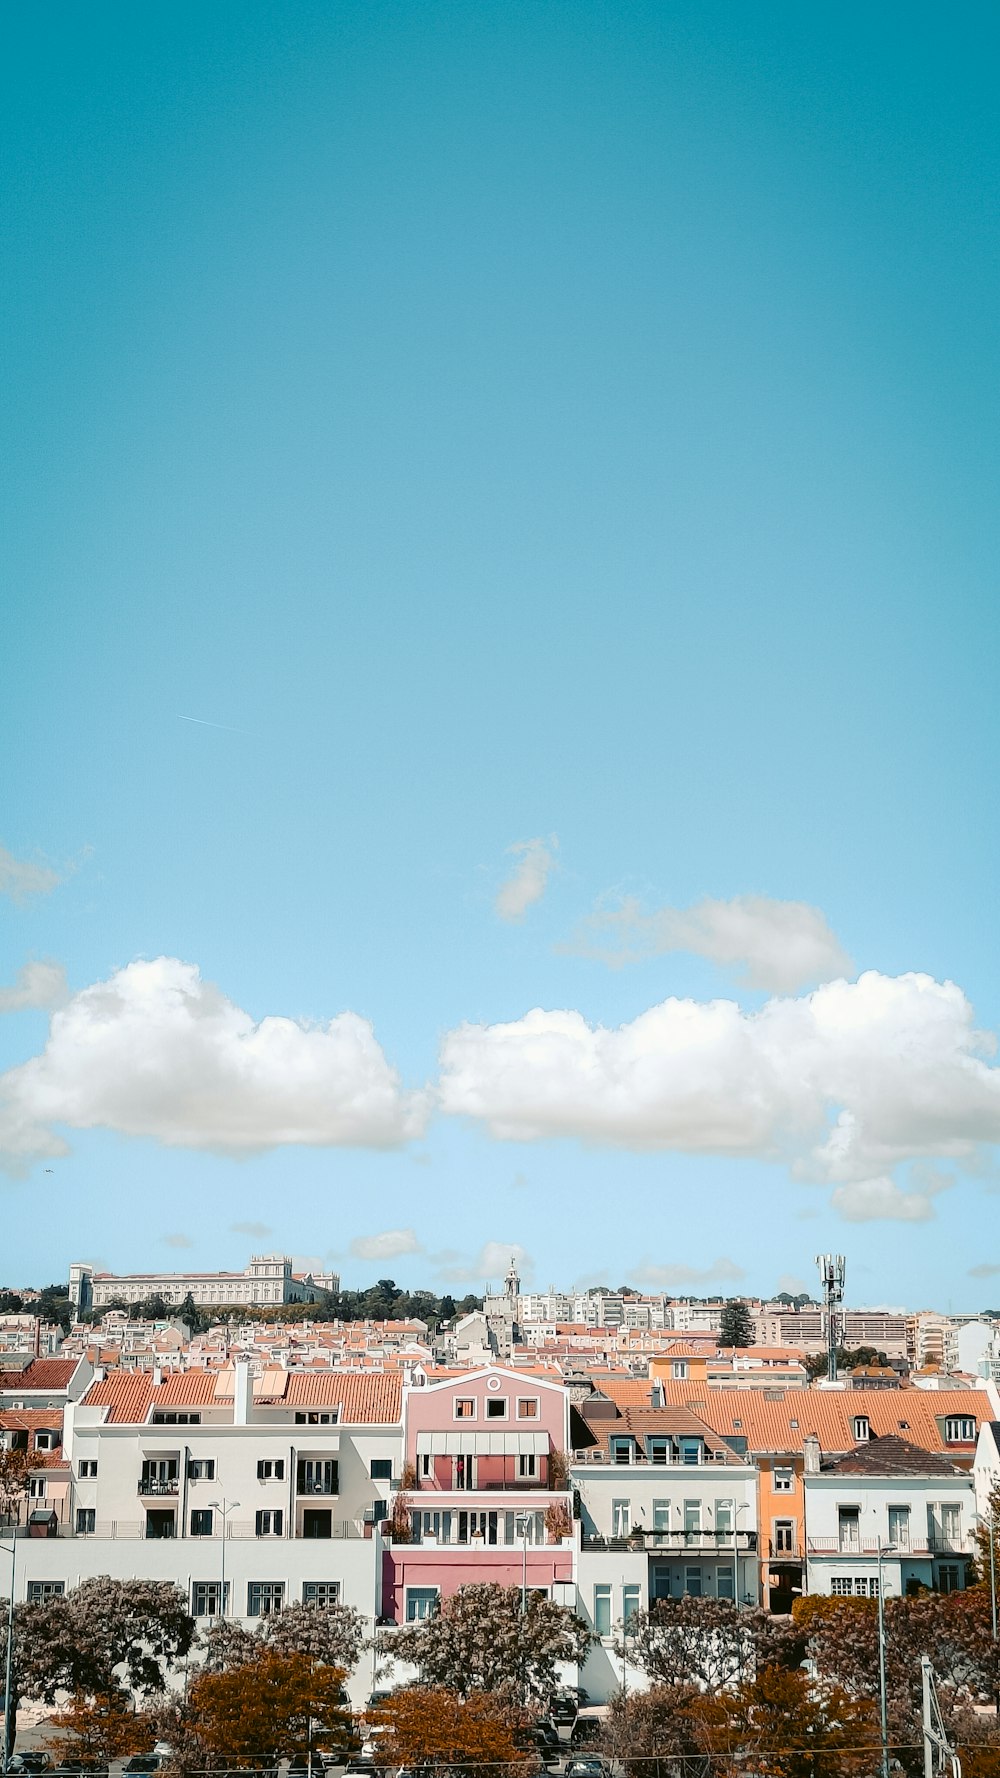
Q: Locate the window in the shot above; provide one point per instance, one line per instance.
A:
(206, 1599)
(201, 1469)
(165, 1419)
(679, 1369)
(464, 1473)
(496, 1407)
(321, 1593)
(36, 1487)
(265, 1597)
(621, 1518)
(661, 1515)
(318, 1475)
(424, 1465)
(46, 1441)
(842, 1586)
(692, 1516)
(959, 1429)
(692, 1582)
(381, 1469)
(621, 1450)
(527, 1408)
(271, 1469)
(602, 1610)
(630, 1603)
(45, 1589)
(87, 1469)
(269, 1523)
(862, 1427)
(526, 1465)
(201, 1521)
(380, 1511)
(318, 1419)
(724, 1515)
(659, 1450)
(465, 1408)
(661, 1581)
(899, 1527)
(944, 1526)
(691, 1450)
(848, 1528)
(784, 1480)
(949, 1580)
(784, 1536)
(421, 1602)
(86, 1521)
(724, 1583)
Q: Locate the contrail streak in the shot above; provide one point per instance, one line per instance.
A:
(202, 723)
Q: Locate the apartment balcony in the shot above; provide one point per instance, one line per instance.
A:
(128, 1530)
(960, 1545)
(710, 1543)
(156, 1487)
(640, 1460)
(784, 1552)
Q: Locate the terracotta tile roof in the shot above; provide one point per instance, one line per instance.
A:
(644, 1422)
(41, 1373)
(781, 1425)
(31, 1419)
(626, 1391)
(126, 1395)
(367, 1399)
(890, 1456)
(372, 1399)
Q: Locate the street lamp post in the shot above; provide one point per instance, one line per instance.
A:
(223, 1508)
(8, 1720)
(993, 1609)
(884, 1549)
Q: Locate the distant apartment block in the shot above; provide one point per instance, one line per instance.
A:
(268, 1280)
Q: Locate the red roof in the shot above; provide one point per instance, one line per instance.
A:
(41, 1373)
(372, 1399)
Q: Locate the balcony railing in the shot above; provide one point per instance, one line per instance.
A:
(157, 1486)
(938, 1545)
(657, 1542)
(784, 1552)
(128, 1529)
(610, 1460)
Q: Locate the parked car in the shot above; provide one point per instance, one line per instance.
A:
(585, 1729)
(143, 1762)
(35, 1761)
(591, 1767)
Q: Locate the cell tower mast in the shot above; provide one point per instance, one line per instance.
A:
(831, 1271)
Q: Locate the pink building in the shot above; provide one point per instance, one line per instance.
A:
(480, 1447)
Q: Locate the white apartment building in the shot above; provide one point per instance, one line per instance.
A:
(914, 1505)
(265, 1282)
(250, 1492)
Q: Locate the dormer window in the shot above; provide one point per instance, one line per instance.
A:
(862, 1428)
(959, 1429)
(621, 1450)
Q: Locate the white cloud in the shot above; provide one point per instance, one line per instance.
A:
(489, 1265)
(19, 878)
(179, 1241)
(895, 1062)
(881, 1200)
(391, 1244)
(38, 984)
(984, 1271)
(776, 945)
(258, 1231)
(527, 881)
(658, 1277)
(155, 1051)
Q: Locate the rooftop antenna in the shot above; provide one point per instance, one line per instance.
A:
(831, 1272)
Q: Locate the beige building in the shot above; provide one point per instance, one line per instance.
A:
(265, 1282)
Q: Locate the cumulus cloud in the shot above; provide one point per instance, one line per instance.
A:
(390, 1244)
(776, 945)
(179, 1241)
(155, 1051)
(38, 984)
(843, 1083)
(19, 878)
(258, 1231)
(526, 883)
(665, 1277)
(984, 1271)
(881, 1200)
(490, 1264)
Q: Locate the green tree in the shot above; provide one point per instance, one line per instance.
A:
(736, 1325)
(705, 1642)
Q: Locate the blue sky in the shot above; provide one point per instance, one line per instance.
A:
(571, 424)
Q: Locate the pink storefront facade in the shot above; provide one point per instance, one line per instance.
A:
(481, 1450)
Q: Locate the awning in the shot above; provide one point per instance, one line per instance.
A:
(482, 1444)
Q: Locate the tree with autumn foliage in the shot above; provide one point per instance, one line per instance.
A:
(97, 1730)
(481, 1640)
(265, 1706)
(432, 1725)
(782, 1724)
(840, 1636)
(15, 1469)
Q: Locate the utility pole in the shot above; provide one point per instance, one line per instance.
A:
(885, 1549)
(938, 1751)
(993, 1609)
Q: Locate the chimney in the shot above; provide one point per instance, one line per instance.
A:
(242, 1393)
(157, 1375)
(810, 1451)
(656, 1395)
